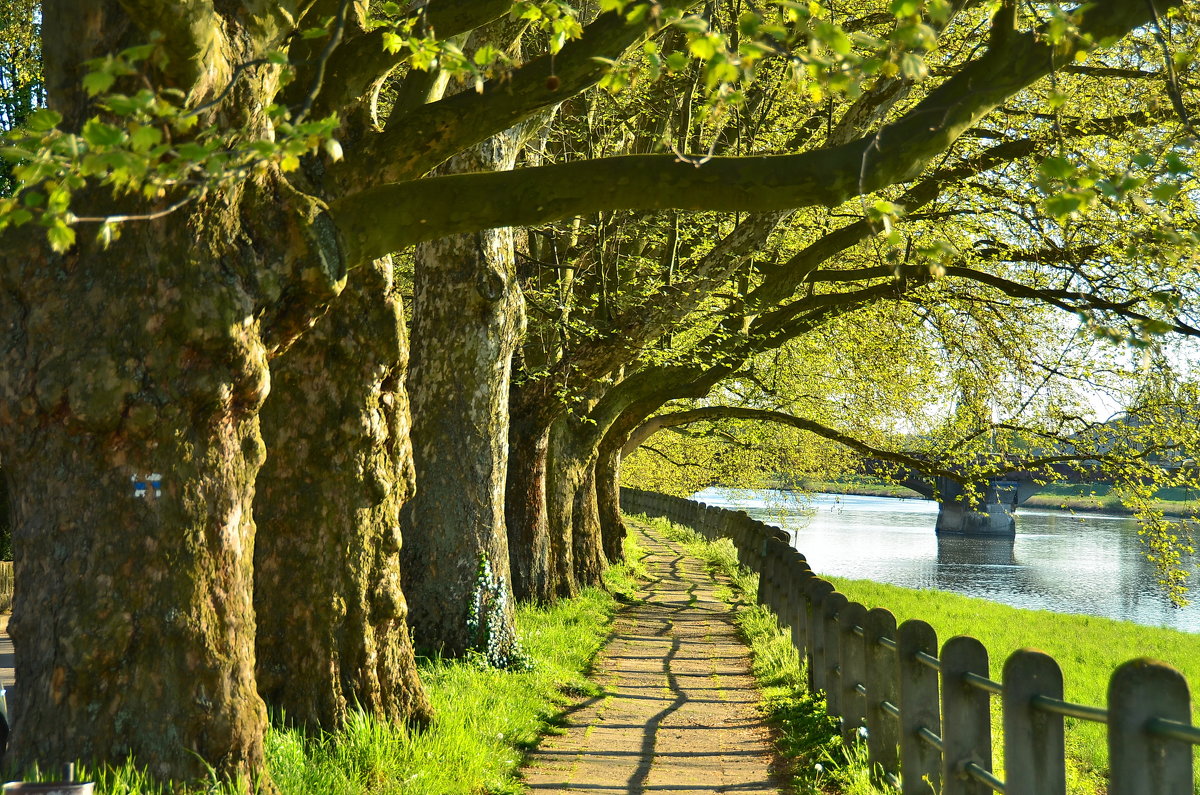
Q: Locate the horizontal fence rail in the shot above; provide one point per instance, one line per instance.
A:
(926, 713)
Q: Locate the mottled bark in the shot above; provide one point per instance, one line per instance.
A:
(525, 510)
(133, 619)
(608, 497)
(565, 472)
(130, 384)
(590, 560)
(332, 633)
(468, 314)
(5, 518)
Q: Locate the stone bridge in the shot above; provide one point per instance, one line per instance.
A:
(988, 506)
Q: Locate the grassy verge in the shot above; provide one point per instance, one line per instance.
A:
(485, 719)
(1088, 649)
(805, 736)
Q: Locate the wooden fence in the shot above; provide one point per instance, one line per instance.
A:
(926, 717)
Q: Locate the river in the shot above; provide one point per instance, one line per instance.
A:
(1067, 563)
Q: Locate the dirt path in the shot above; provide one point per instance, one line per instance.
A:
(678, 713)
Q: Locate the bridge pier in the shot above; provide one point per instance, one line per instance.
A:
(988, 511)
(993, 516)
(959, 518)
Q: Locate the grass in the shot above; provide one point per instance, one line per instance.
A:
(805, 736)
(1087, 648)
(1099, 497)
(485, 719)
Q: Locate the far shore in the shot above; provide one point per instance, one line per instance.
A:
(1095, 498)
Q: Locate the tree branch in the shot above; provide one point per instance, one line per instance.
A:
(1069, 300)
(452, 124)
(655, 424)
(362, 60)
(430, 208)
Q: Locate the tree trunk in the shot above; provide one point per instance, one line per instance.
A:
(332, 633)
(525, 510)
(590, 561)
(468, 314)
(608, 497)
(565, 473)
(129, 432)
(130, 385)
(5, 518)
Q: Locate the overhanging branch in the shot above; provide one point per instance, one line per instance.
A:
(389, 217)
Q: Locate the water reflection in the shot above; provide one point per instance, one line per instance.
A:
(1082, 563)
(982, 551)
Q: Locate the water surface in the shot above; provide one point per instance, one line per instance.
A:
(1068, 563)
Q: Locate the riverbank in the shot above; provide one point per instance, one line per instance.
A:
(1073, 497)
(1087, 649)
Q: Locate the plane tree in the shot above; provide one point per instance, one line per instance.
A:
(233, 160)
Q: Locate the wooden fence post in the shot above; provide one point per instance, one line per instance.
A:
(966, 717)
(767, 573)
(818, 590)
(883, 685)
(801, 574)
(920, 762)
(1034, 753)
(854, 671)
(789, 575)
(833, 652)
(1141, 760)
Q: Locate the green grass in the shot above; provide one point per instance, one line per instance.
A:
(805, 736)
(1087, 649)
(1099, 497)
(485, 719)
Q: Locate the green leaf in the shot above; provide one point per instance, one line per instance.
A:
(121, 104)
(15, 154)
(97, 82)
(61, 236)
(905, 8)
(138, 53)
(144, 138)
(99, 134)
(486, 55)
(43, 120)
(392, 43)
(913, 67)
(1165, 191)
(1057, 168)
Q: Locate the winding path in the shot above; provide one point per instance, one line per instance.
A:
(677, 714)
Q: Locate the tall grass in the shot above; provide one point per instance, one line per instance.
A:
(484, 719)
